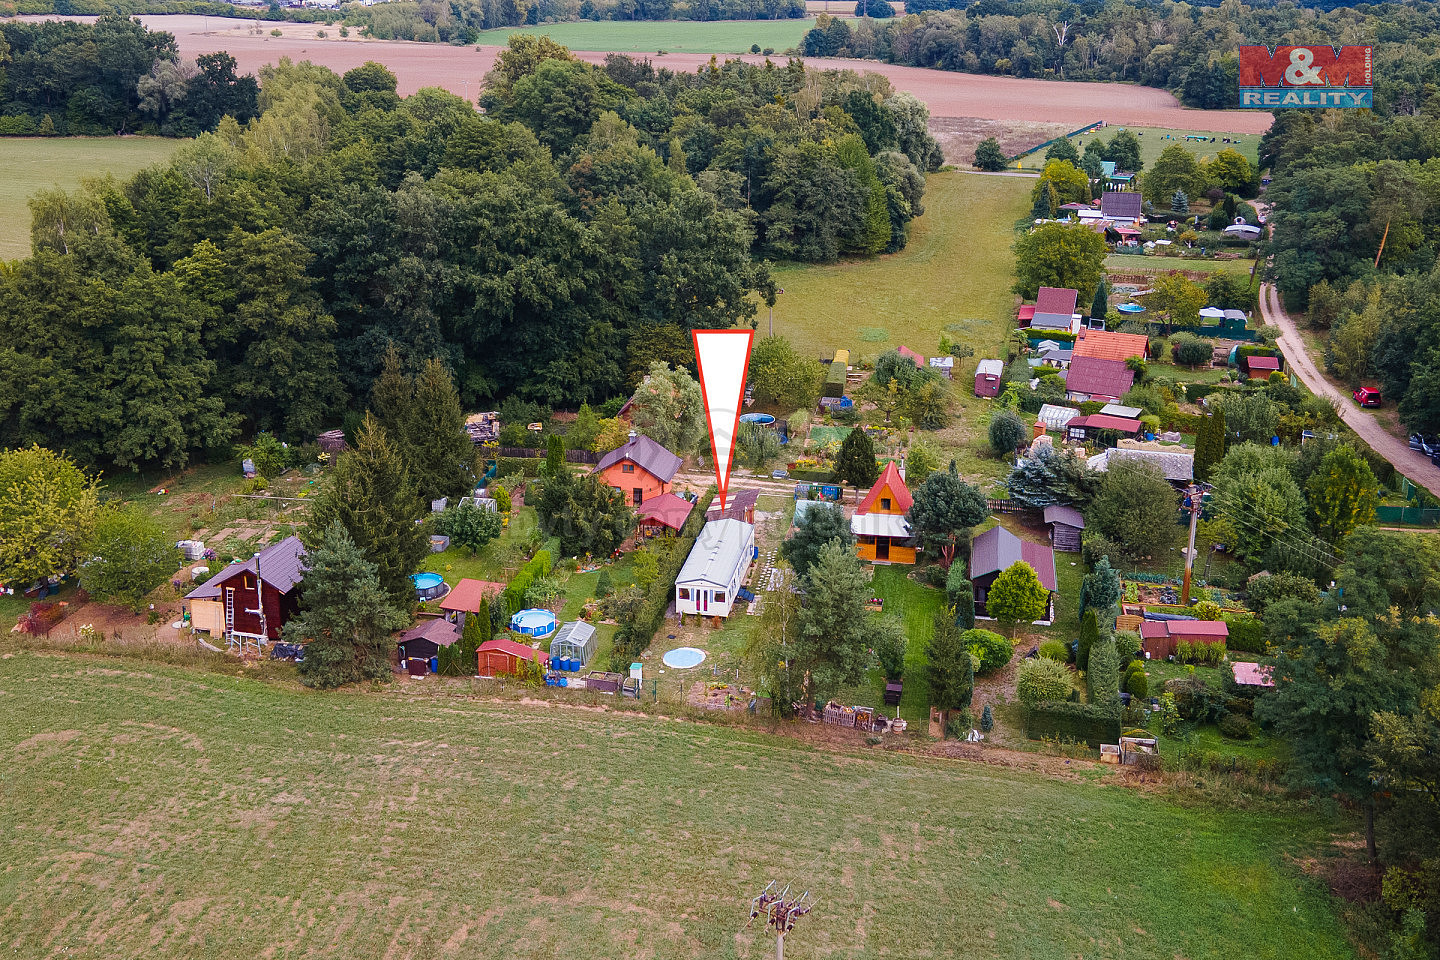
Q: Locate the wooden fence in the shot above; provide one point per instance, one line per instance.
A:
(538, 453)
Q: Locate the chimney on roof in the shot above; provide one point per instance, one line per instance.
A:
(632, 436)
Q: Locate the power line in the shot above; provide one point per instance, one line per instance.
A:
(780, 910)
(1283, 537)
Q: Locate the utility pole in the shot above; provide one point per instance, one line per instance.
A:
(780, 911)
(1194, 502)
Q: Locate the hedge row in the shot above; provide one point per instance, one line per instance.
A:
(813, 476)
(635, 635)
(835, 381)
(1184, 422)
(512, 466)
(514, 595)
(1194, 391)
(1081, 722)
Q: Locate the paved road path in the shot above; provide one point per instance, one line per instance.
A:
(1409, 462)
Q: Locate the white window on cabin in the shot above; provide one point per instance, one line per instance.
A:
(720, 596)
(684, 593)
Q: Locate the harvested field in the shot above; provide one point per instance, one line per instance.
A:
(959, 136)
(947, 94)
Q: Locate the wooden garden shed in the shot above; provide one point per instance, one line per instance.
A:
(419, 647)
(1065, 524)
(501, 657)
(1159, 637)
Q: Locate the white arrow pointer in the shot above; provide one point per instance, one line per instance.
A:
(723, 357)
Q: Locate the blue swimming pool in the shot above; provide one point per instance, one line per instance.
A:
(534, 623)
(683, 658)
(429, 586)
(760, 419)
(1130, 308)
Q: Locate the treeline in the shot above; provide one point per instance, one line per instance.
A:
(1346, 190)
(1188, 49)
(461, 21)
(113, 77)
(548, 251)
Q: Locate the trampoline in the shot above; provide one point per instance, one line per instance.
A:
(429, 586)
(682, 658)
(534, 623)
(759, 419)
(1130, 308)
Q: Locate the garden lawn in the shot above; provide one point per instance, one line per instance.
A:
(155, 812)
(916, 605)
(31, 164)
(1138, 263)
(456, 563)
(955, 273)
(669, 36)
(1152, 142)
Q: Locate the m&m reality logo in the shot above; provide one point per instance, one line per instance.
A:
(1311, 76)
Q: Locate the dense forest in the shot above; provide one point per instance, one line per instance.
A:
(113, 77)
(1346, 182)
(550, 249)
(1189, 49)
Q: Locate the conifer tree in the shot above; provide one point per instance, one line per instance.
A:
(439, 453)
(346, 616)
(855, 464)
(1210, 444)
(372, 497)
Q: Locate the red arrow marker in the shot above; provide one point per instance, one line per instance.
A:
(723, 357)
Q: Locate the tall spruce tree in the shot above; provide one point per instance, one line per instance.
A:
(346, 616)
(372, 497)
(1101, 305)
(951, 669)
(554, 455)
(832, 646)
(392, 395)
(439, 453)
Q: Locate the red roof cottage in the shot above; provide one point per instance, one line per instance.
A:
(251, 601)
(640, 469)
(1094, 378)
(882, 534)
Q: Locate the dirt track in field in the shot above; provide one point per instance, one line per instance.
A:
(949, 95)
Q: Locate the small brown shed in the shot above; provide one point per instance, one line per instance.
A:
(1065, 525)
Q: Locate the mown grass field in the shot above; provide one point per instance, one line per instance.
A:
(159, 812)
(36, 163)
(955, 272)
(1152, 142)
(671, 36)
(1133, 263)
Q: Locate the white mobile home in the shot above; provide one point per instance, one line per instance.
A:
(712, 574)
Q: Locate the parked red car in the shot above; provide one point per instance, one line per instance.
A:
(1368, 397)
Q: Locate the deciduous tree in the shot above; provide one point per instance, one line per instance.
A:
(1059, 255)
(48, 511)
(130, 554)
(988, 155)
(1343, 494)
(1017, 596)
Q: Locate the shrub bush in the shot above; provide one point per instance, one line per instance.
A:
(1042, 679)
(987, 720)
(1247, 634)
(936, 575)
(1194, 391)
(1137, 684)
(1102, 674)
(1127, 645)
(1095, 545)
(993, 650)
(1056, 650)
(1190, 351)
(1195, 701)
(1236, 727)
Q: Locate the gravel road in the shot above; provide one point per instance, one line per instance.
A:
(1409, 462)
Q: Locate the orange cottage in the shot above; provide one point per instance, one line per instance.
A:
(641, 469)
(881, 531)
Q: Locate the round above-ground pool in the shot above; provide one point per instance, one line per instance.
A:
(682, 658)
(1130, 308)
(759, 419)
(534, 623)
(429, 586)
